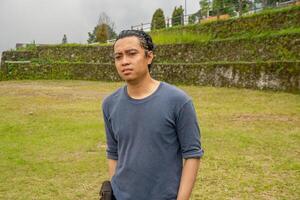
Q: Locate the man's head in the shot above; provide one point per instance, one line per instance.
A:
(133, 54)
(144, 39)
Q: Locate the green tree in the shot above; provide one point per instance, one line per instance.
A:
(64, 40)
(158, 20)
(92, 36)
(218, 6)
(103, 31)
(177, 16)
(232, 7)
(102, 34)
(193, 18)
(204, 8)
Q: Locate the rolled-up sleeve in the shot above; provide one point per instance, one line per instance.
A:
(188, 131)
(112, 143)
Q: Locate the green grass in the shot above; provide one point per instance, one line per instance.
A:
(261, 35)
(52, 143)
(177, 37)
(188, 33)
(180, 37)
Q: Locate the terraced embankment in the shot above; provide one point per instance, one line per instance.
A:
(259, 51)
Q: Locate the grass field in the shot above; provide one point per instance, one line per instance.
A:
(52, 143)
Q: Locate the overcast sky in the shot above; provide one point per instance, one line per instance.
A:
(45, 21)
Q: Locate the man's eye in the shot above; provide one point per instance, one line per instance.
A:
(132, 53)
(117, 57)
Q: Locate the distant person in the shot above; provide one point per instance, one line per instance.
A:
(151, 126)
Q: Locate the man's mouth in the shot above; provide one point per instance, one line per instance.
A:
(126, 70)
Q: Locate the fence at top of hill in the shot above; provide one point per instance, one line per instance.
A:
(210, 16)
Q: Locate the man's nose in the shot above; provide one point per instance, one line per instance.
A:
(125, 60)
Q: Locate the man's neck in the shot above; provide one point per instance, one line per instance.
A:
(143, 88)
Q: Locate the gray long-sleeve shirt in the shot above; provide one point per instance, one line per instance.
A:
(149, 137)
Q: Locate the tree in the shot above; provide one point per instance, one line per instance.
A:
(194, 17)
(218, 6)
(104, 30)
(231, 7)
(240, 7)
(102, 34)
(177, 16)
(237, 6)
(158, 20)
(64, 40)
(268, 3)
(92, 36)
(204, 7)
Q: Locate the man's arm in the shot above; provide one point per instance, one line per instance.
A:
(188, 178)
(112, 164)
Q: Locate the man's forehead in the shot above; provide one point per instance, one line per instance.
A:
(127, 43)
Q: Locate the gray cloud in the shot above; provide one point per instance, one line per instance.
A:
(45, 21)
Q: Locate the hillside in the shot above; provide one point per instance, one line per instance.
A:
(259, 51)
(269, 22)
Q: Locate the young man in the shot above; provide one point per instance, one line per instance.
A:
(150, 127)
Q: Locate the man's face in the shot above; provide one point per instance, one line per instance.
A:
(130, 59)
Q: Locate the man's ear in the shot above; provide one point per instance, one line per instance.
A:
(151, 56)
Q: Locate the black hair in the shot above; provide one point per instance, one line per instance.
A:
(144, 38)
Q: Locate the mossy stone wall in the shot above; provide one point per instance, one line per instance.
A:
(61, 70)
(281, 47)
(263, 75)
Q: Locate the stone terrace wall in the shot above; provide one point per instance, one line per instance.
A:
(266, 48)
(265, 75)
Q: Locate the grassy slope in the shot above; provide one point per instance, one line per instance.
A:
(52, 143)
(188, 37)
(181, 34)
(184, 34)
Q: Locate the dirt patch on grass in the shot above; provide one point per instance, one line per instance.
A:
(101, 145)
(48, 90)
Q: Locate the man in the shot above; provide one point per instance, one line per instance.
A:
(150, 127)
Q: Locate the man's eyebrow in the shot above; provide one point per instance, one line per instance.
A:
(128, 50)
